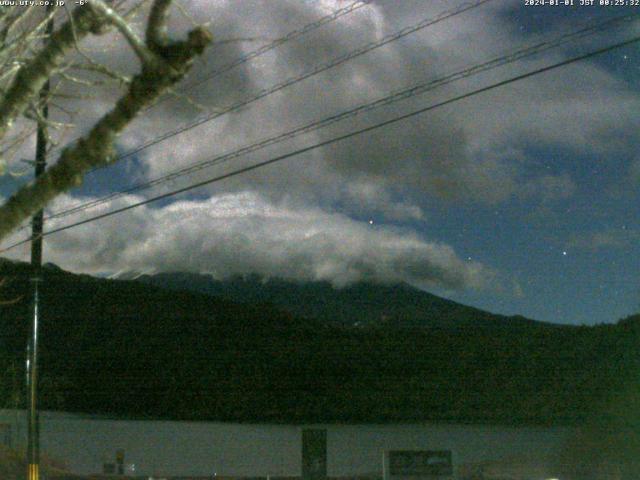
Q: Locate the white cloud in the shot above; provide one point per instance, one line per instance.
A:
(244, 233)
(370, 197)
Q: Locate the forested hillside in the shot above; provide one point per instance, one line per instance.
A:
(131, 349)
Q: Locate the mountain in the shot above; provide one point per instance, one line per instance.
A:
(131, 349)
(360, 304)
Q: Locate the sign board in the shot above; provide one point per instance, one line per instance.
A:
(399, 464)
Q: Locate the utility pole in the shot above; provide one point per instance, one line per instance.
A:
(33, 430)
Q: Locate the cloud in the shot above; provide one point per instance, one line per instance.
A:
(456, 153)
(296, 217)
(244, 233)
(369, 197)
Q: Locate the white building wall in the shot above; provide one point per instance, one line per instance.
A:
(175, 448)
(358, 449)
(208, 448)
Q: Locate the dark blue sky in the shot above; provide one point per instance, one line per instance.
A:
(565, 274)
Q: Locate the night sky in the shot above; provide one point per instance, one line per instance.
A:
(521, 200)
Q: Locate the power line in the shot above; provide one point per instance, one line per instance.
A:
(391, 98)
(282, 40)
(310, 73)
(335, 139)
(314, 71)
(292, 35)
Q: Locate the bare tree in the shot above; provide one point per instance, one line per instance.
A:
(29, 58)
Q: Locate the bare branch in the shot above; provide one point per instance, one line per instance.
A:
(15, 143)
(189, 18)
(65, 110)
(11, 22)
(92, 64)
(145, 55)
(71, 96)
(101, 69)
(96, 149)
(35, 114)
(156, 35)
(10, 71)
(186, 98)
(30, 79)
(78, 80)
(28, 36)
(9, 151)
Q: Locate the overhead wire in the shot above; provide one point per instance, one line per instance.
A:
(334, 140)
(341, 12)
(265, 92)
(290, 36)
(396, 96)
(424, 23)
